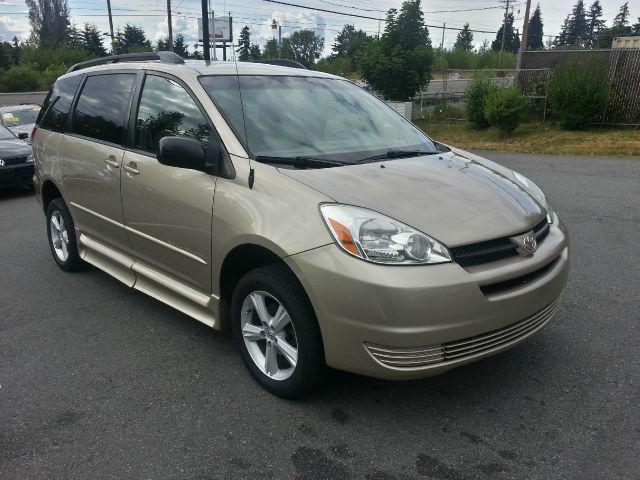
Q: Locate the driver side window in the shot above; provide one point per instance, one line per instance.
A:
(166, 109)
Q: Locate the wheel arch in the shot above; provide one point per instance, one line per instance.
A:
(50, 191)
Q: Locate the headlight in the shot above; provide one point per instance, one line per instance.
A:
(379, 239)
(30, 158)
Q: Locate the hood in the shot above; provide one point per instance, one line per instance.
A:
(451, 197)
(14, 148)
(26, 128)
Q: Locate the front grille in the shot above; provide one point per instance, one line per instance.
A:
(14, 160)
(518, 281)
(493, 250)
(460, 350)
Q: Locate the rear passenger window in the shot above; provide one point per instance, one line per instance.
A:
(103, 105)
(55, 110)
(166, 109)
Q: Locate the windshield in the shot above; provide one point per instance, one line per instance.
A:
(5, 134)
(20, 117)
(311, 117)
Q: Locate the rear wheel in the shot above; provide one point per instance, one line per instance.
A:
(62, 236)
(276, 332)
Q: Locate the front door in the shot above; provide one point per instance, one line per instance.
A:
(168, 210)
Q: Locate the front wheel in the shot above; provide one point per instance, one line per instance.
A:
(62, 236)
(276, 332)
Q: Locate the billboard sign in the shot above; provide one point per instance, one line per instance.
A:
(219, 29)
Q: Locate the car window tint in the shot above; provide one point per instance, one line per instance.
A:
(167, 110)
(102, 108)
(55, 110)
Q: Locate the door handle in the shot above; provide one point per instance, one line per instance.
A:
(132, 168)
(111, 161)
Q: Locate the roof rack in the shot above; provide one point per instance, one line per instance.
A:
(283, 62)
(165, 57)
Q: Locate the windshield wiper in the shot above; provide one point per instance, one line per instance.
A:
(299, 162)
(395, 154)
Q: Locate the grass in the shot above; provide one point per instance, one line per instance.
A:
(538, 138)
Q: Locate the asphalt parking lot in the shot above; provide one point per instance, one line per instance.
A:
(99, 381)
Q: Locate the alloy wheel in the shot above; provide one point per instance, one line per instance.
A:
(59, 235)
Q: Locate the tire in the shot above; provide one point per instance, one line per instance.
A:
(62, 241)
(277, 287)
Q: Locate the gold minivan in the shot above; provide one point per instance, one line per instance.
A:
(298, 210)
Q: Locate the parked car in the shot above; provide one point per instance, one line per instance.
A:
(16, 160)
(20, 119)
(300, 211)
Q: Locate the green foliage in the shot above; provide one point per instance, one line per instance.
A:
(349, 45)
(464, 40)
(622, 18)
(575, 29)
(477, 93)
(270, 49)
(303, 46)
(51, 74)
(511, 41)
(505, 109)
(578, 92)
(131, 39)
(336, 66)
(399, 63)
(535, 37)
(40, 58)
(254, 52)
(594, 22)
(244, 44)
(49, 20)
(179, 47)
(22, 78)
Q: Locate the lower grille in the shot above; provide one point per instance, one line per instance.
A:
(460, 350)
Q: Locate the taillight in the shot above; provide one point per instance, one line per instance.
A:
(33, 132)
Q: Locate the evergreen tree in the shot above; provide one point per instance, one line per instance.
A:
(131, 39)
(535, 36)
(244, 44)
(594, 23)
(464, 40)
(254, 52)
(575, 30)
(179, 47)
(512, 40)
(636, 28)
(348, 45)
(622, 18)
(49, 21)
(16, 51)
(398, 64)
(92, 40)
(306, 46)
(197, 55)
(74, 37)
(270, 50)
(162, 45)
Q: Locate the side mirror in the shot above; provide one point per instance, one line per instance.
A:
(181, 152)
(23, 136)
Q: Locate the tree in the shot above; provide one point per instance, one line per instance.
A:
(49, 21)
(92, 40)
(75, 38)
(162, 45)
(594, 23)
(575, 28)
(244, 44)
(179, 47)
(464, 40)
(270, 49)
(512, 40)
(636, 28)
(622, 18)
(398, 64)
(131, 39)
(536, 34)
(196, 53)
(306, 46)
(16, 51)
(254, 52)
(348, 45)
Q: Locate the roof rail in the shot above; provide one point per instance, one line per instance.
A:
(165, 57)
(282, 62)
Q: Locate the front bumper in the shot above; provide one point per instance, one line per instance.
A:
(16, 175)
(403, 322)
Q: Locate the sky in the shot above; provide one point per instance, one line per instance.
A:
(258, 14)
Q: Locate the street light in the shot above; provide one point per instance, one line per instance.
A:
(275, 25)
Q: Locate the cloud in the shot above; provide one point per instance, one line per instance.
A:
(13, 27)
(290, 21)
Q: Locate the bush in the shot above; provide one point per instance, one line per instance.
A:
(477, 92)
(51, 74)
(578, 92)
(505, 109)
(40, 58)
(23, 78)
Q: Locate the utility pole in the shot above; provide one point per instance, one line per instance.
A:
(504, 34)
(113, 38)
(279, 41)
(525, 34)
(206, 52)
(170, 27)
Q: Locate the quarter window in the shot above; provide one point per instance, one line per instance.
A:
(167, 110)
(102, 108)
(55, 110)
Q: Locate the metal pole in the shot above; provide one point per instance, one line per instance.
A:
(206, 49)
(113, 38)
(170, 27)
(279, 41)
(224, 51)
(504, 34)
(444, 60)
